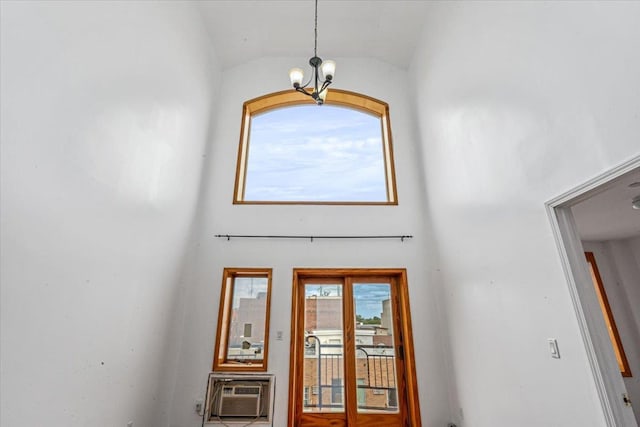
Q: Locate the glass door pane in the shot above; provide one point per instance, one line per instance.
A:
(375, 349)
(323, 370)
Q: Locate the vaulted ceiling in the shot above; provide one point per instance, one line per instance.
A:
(608, 215)
(244, 30)
(388, 30)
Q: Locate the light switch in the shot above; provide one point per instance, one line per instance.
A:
(553, 348)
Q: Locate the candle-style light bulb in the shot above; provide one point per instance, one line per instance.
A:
(296, 75)
(328, 69)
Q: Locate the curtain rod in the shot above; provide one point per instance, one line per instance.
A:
(311, 238)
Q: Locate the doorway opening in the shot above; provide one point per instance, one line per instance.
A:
(597, 220)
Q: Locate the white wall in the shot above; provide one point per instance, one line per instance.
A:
(105, 110)
(620, 273)
(219, 216)
(518, 102)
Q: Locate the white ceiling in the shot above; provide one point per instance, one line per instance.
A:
(608, 215)
(244, 30)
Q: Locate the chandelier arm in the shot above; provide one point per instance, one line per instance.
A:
(301, 90)
(313, 73)
(325, 85)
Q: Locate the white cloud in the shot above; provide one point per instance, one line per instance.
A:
(325, 154)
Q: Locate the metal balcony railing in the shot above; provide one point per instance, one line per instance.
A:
(375, 372)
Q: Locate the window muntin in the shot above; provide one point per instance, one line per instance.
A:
(338, 153)
(243, 320)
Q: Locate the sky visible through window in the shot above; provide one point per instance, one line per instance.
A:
(368, 296)
(315, 153)
(248, 287)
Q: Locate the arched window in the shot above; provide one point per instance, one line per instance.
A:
(293, 151)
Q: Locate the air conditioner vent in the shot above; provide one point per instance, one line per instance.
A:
(247, 390)
(238, 399)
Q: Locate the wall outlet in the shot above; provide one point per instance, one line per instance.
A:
(199, 406)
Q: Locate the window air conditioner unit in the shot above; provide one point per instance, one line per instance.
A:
(239, 399)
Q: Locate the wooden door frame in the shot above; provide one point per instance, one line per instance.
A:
(405, 334)
(604, 366)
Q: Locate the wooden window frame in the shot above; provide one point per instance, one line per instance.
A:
(220, 362)
(336, 97)
(609, 320)
(403, 341)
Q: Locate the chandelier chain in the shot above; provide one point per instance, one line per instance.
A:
(315, 46)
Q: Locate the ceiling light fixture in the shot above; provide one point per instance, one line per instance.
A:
(635, 203)
(319, 90)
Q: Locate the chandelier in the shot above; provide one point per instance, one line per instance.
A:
(319, 89)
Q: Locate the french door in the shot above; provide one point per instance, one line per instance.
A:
(351, 350)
